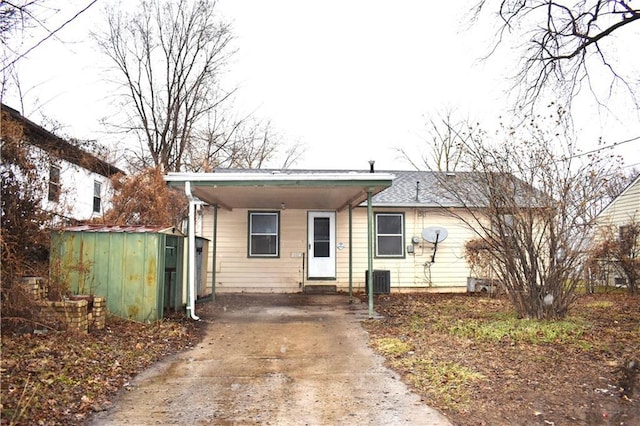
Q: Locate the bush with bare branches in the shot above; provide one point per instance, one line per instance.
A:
(145, 199)
(24, 240)
(618, 250)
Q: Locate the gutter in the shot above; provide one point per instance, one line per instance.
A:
(191, 280)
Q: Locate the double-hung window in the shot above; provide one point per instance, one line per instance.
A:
(389, 234)
(54, 184)
(97, 200)
(264, 234)
(503, 225)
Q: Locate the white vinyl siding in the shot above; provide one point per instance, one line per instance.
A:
(409, 273)
(235, 272)
(625, 209)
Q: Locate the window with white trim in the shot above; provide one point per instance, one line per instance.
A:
(264, 234)
(503, 225)
(389, 234)
(97, 200)
(54, 184)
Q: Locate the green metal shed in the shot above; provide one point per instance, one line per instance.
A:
(138, 269)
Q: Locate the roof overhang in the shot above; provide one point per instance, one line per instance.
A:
(277, 190)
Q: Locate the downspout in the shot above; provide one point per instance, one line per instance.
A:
(350, 253)
(370, 252)
(191, 240)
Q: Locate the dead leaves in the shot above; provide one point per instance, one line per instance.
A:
(552, 381)
(59, 378)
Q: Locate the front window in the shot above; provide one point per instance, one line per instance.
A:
(54, 184)
(97, 201)
(389, 234)
(264, 234)
(503, 225)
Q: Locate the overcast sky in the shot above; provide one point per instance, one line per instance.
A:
(351, 80)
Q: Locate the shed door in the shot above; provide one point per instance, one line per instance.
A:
(322, 247)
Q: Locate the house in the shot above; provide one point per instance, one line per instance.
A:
(619, 219)
(77, 184)
(304, 230)
(623, 209)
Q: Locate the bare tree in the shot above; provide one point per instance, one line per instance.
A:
(245, 143)
(530, 201)
(19, 21)
(169, 56)
(446, 139)
(568, 43)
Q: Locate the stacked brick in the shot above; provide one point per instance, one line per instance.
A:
(36, 287)
(97, 316)
(81, 313)
(71, 312)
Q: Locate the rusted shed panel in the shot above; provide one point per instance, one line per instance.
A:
(125, 266)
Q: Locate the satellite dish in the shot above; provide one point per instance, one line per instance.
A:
(435, 234)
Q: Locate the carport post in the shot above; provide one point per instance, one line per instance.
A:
(350, 253)
(214, 246)
(370, 252)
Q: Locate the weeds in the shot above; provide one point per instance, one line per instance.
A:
(391, 346)
(450, 383)
(520, 330)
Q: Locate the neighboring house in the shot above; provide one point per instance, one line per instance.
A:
(624, 209)
(295, 230)
(77, 183)
(615, 220)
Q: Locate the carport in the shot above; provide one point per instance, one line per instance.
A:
(314, 190)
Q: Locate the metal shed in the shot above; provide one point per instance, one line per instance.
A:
(138, 269)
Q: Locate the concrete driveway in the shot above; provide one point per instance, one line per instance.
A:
(274, 359)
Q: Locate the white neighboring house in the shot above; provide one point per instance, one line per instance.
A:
(78, 183)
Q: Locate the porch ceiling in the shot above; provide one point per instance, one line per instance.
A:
(315, 191)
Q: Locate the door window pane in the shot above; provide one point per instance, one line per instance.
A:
(321, 239)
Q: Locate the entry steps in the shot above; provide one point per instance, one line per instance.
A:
(320, 289)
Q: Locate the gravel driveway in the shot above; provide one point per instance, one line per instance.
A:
(274, 359)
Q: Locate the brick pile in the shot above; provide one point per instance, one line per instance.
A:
(81, 313)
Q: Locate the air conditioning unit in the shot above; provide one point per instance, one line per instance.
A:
(381, 281)
(481, 285)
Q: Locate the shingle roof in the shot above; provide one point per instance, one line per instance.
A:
(416, 189)
(425, 189)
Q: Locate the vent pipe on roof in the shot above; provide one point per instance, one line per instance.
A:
(371, 163)
(417, 190)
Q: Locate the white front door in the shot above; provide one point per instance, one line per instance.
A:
(322, 247)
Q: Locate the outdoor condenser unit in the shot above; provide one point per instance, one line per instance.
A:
(381, 281)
